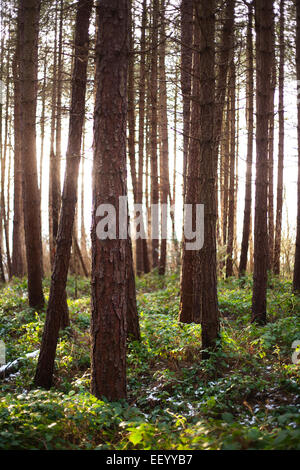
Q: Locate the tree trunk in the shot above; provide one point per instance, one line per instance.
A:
(264, 20)
(164, 154)
(250, 127)
(132, 319)
(199, 277)
(173, 195)
(271, 158)
(57, 298)
(142, 261)
(43, 121)
(53, 188)
(296, 277)
(29, 28)
(277, 248)
(225, 165)
(230, 236)
(4, 211)
(18, 261)
(223, 69)
(187, 10)
(110, 261)
(206, 271)
(83, 240)
(154, 133)
(187, 312)
(131, 107)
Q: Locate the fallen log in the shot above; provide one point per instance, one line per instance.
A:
(14, 366)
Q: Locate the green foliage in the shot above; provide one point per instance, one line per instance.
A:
(246, 396)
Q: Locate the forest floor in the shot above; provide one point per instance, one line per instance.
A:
(246, 396)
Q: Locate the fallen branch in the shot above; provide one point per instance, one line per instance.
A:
(14, 366)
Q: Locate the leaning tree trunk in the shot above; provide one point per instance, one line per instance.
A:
(264, 20)
(57, 298)
(29, 30)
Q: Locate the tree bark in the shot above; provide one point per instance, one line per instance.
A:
(187, 10)
(271, 157)
(187, 312)
(232, 159)
(264, 20)
(199, 278)
(18, 261)
(110, 260)
(29, 30)
(206, 271)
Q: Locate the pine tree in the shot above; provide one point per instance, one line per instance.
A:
(29, 30)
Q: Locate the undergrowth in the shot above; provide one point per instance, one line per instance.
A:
(246, 396)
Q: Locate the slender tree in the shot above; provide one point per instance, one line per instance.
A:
(226, 53)
(206, 257)
(264, 19)
(4, 164)
(53, 167)
(164, 154)
(231, 167)
(131, 106)
(186, 77)
(277, 248)
(225, 156)
(271, 156)
(250, 130)
(142, 260)
(57, 300)
(29, 30)
(154, 133)
(18, 261)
